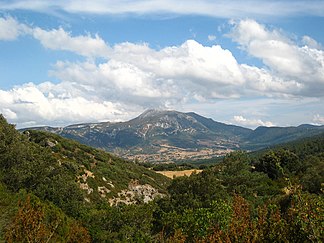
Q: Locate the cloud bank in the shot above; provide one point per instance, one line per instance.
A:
(251, 122)
(219, 8)
(132, 77)
(10, 29)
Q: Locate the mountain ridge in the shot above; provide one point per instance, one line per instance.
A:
(164, 135)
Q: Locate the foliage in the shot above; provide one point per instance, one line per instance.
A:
(306, 217)
(123, 223)
(198, 223)
(277, 164)
(313, 176)
(36, 221)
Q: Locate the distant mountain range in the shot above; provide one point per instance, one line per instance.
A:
(161, 136)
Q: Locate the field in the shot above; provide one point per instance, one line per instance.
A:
(173, 174)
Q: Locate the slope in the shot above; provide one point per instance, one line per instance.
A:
(65, 177)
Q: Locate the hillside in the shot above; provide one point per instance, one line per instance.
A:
(100, 174)
(263, 137)
(273, 195)
(163, 136)
(66, 177)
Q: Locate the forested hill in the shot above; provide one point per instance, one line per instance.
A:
(64, 178)
(56, 190)
(275, 195)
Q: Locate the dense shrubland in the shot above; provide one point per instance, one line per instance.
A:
(270, 196)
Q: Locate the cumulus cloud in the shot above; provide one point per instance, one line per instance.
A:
(311, 43)
(10, 29)
(221, 8)
(261, 81)
(300, 66)
(46, 104)
(189, 70)
(240, 120)
(205, 70)
(144, 75)
(117, 81)
(191, 60)
(55, 39)
(318, 119)
(211, 37)
(59, 39)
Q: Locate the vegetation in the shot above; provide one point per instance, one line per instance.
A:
(271, 196)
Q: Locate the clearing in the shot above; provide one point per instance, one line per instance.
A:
(172, 174)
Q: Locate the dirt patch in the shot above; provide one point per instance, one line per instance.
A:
(173, 174)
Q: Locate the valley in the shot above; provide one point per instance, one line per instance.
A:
(170, 154)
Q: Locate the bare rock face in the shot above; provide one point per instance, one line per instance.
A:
(51, 144)
(102, 190)
(136, 193)
(82, 180)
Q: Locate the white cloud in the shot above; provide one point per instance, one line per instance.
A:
(318, 119)
(302, 67)
(272, 48)
(10, 29)
(242, 121)
(9, 114)
(114, 80)
(55, 39)
(211, 37)
(259, 80)
(189, 70)
(311, 43)
(221, 8)
(59, 39)
(193, 68)
(44, 104)
(207, 70)
(144, 75)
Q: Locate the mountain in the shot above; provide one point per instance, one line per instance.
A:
(159, 136)
(263, 137)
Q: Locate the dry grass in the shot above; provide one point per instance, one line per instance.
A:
(173, 174)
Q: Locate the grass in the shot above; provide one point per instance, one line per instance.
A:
(172, 174)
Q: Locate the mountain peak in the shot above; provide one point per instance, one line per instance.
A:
(153, 113)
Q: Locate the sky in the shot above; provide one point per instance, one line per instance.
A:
(249, 63)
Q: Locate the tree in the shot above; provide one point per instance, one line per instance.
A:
(28, 224)
(270, 164)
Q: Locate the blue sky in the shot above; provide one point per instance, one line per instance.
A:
(248, 63)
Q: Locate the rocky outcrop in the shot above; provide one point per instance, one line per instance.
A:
(136, 193)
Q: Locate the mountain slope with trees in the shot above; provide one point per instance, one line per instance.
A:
(44, 172)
